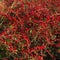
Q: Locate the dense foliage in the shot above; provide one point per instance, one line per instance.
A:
(29, 30)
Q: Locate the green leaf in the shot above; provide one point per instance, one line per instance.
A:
(0, 0)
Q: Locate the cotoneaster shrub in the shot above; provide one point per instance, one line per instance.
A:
(29, 30)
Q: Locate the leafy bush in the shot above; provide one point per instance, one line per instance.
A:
(29, 30)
